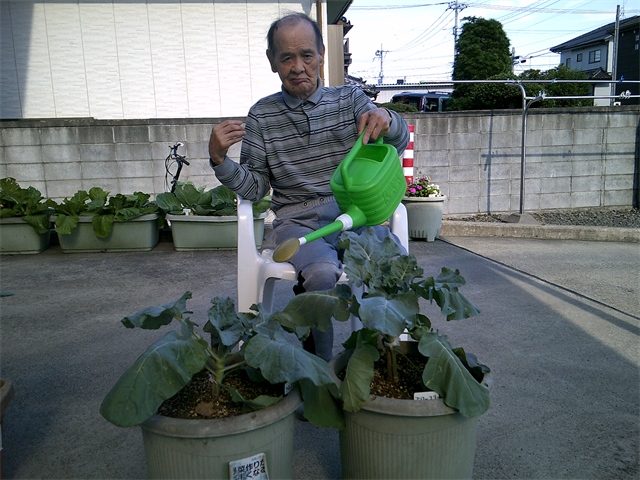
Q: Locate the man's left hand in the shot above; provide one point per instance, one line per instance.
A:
(375, 123)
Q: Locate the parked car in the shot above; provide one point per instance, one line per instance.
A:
(423, 101)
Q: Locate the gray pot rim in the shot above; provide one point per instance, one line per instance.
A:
(398, 406)
(441, 198)
(223, 427)
(89, 218)
(13, 220)
(208, 218)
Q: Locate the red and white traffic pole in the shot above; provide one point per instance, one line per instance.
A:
(407, 159)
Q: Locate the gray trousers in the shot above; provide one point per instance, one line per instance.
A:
(317, 263)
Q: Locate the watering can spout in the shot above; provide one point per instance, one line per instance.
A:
(353, 218)
(368, 185)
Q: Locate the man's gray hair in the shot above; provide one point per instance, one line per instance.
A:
(293, 19)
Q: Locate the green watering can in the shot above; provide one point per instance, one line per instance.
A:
(368, 186)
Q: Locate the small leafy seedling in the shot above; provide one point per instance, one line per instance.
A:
(103, 210)
(26, 203)
(218, 201)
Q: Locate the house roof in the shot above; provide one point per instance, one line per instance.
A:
(598, 35)
(597, 74)
(370, 90)
(336, 10)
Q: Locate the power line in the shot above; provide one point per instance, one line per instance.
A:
(491, 7)
(424, 36)
(539, 9)
(393, 7)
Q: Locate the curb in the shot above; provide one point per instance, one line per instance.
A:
(454, 228)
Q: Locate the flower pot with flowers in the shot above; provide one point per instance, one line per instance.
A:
(424, 204)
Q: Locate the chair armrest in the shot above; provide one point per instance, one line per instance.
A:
(246, 232)
(399, 225)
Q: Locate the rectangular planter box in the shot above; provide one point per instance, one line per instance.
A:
(136, 235)
(197, 232)
(17, 236)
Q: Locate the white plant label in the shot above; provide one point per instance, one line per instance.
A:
(253, 468)
(425, 396)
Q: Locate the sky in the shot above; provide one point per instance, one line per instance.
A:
(415, 40)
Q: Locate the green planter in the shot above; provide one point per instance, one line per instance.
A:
(17, 236)
(176, 448)
(139, 234)
(198, 232)
(406, 439)
(424, 215)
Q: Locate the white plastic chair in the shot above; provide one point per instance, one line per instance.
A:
(257, 272)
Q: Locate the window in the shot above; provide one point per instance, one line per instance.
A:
(594, 56)
(569, 62)
(579, 57)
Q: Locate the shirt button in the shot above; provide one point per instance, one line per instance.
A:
(305, 204)
(321, 199)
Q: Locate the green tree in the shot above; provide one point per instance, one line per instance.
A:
(482, 53)
(564, 89)
(399, 107)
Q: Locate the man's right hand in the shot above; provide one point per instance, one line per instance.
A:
(222, 137)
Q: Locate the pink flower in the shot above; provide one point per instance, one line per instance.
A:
(412, 190)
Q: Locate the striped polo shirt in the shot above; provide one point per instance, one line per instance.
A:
(293, 146)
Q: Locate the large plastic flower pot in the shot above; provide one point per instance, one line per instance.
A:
(17, 236)
(405, 439)
(424, 215)
(6, 394)
(199, 232)
(140, 234)
(176, 448)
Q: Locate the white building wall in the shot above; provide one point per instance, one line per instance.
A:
(147, 59)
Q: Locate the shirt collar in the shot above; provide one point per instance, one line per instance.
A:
(293, 102)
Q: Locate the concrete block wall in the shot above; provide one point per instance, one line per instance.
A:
(575, 158)
(60, 157)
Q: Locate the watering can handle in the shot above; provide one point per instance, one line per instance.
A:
(346, 179)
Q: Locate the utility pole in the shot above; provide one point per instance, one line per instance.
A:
(380, 53)
(456, 7)
(614, 68)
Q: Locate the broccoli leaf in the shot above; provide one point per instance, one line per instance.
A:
(225, 323)
(152, 318)
(356, 387)
(446, 375)
(169, 203)
(158, 374)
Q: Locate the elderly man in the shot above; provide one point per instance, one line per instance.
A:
(292, 143)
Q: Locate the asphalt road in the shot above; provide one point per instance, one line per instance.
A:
(559, 328)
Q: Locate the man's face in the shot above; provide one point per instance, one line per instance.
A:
(297, 60)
